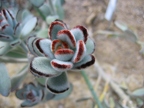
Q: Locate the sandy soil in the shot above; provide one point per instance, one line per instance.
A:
(118, 54)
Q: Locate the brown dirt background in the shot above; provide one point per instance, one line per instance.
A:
(119, 58)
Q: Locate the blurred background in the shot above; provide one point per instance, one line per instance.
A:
(120, 58)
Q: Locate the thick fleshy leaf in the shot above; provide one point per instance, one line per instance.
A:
(37, 3)
(57, 44)
(5, 82)
(64, 54)
(3, 22)
(17, 30)
(65, 35)
(26, 16)
(41, 67)
(28, 27)
(20, 93)
(8, 17)
(80, 51)
(58, 84)
(30, 42)
(63, 95)
(90, 46)
(48, 96)
(61, 65)
(43, 45)
(85, 62)
(45, 9)
(5, 38)
(54, 28)
(4, 47)
(80, 33)
(15, 42)
(8, 30)
(29, 103)
(36, 48)
(17, 79)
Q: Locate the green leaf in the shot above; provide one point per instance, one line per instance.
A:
(59, 8)
(45, 9)
(4, 48)
(64, 95)
(5, 82)
(17, 79)
(37, 3)
(28, 27)
(58, 84)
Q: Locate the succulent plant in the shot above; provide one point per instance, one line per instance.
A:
(31, 95)
(64, 50)
(13, 33)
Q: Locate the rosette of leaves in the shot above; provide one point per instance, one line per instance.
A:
(12, 32)
(65, 50)
(31, 95)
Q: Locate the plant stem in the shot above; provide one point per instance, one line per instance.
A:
(96, 99)
(24, 47)
(13, 60)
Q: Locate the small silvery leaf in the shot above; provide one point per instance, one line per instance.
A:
(63, 95)
(58, 84)
(37, 3)
(5, 82)
(8, 16)
(5, 38)
(4, 47)
(28, 27)
(90, 46)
